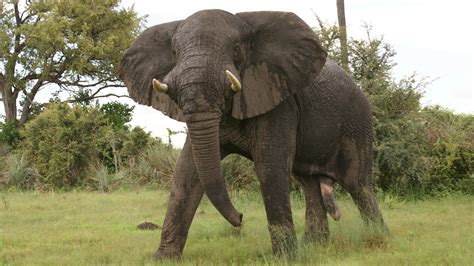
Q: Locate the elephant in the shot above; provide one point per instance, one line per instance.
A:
(257, 84)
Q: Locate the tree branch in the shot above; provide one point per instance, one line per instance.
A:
(96, 97)
(81, 83)
(17, 14)
(2, 82)
(105, 87)
(29, 100)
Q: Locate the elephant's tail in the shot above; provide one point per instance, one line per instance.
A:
(329, 200)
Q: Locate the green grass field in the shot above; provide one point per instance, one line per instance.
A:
(96, 228)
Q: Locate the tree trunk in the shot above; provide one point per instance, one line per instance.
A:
(116, 155)
(27, 104)
(8, 99)
(341, 17)
(2, 83)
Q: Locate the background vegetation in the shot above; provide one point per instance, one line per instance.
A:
(79, 143)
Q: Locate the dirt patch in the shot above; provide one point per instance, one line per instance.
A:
(148, 226)
(376, 242)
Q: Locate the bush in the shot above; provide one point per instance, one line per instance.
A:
(63, 141)
(154, 165)
(103, 180)
(239, 173)
(20, 173)
(450, 150)
(9, 134)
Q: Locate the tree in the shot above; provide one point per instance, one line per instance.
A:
(61, 46)
(118, 115)
(341, 18)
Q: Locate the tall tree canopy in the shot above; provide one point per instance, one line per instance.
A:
(71, 46)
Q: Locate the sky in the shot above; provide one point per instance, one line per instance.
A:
(431, 37)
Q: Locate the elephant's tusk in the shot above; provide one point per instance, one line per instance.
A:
(161, 87)
(236, 86)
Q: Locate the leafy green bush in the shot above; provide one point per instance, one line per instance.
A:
(9, 134)
(63, 141)
(449, 152)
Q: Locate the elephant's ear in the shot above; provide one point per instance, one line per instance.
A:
(284, 56)
(150, 56)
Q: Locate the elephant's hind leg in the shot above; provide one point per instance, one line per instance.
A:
(355, 168)
(364, 198)
(316, 222)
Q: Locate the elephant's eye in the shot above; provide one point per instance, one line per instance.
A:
(238, 55)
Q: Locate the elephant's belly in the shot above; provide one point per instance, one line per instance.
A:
(316, 152)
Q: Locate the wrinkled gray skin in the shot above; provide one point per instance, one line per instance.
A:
(297, 113)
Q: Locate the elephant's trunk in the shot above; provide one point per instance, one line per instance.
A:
(204, 135)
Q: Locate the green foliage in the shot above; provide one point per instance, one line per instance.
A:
(9, 134)
(20, 173)
(104, 180)
(450, 151)
(63, 141)
(137, 139)
(155, 164)
(86, 37)
(76, 45)
(239, 173)
(118, 114)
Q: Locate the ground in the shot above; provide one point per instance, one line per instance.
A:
(101, 228)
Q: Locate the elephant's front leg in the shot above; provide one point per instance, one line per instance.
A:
(186, 194)
(273, 157)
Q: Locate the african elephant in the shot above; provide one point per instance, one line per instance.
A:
(256, 84)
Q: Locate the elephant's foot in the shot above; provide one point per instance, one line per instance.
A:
(161, 255)
(284, 243)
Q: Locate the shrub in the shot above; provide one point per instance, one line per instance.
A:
(9, 134)
(103, 180)
(63, 141)
(239, 173)
(155, 164)
(20, 173)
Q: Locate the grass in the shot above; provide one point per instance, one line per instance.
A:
(100, 228)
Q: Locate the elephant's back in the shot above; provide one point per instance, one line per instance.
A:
(334, 97)
(331, 108)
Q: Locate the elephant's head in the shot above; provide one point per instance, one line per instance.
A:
(215, 64)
